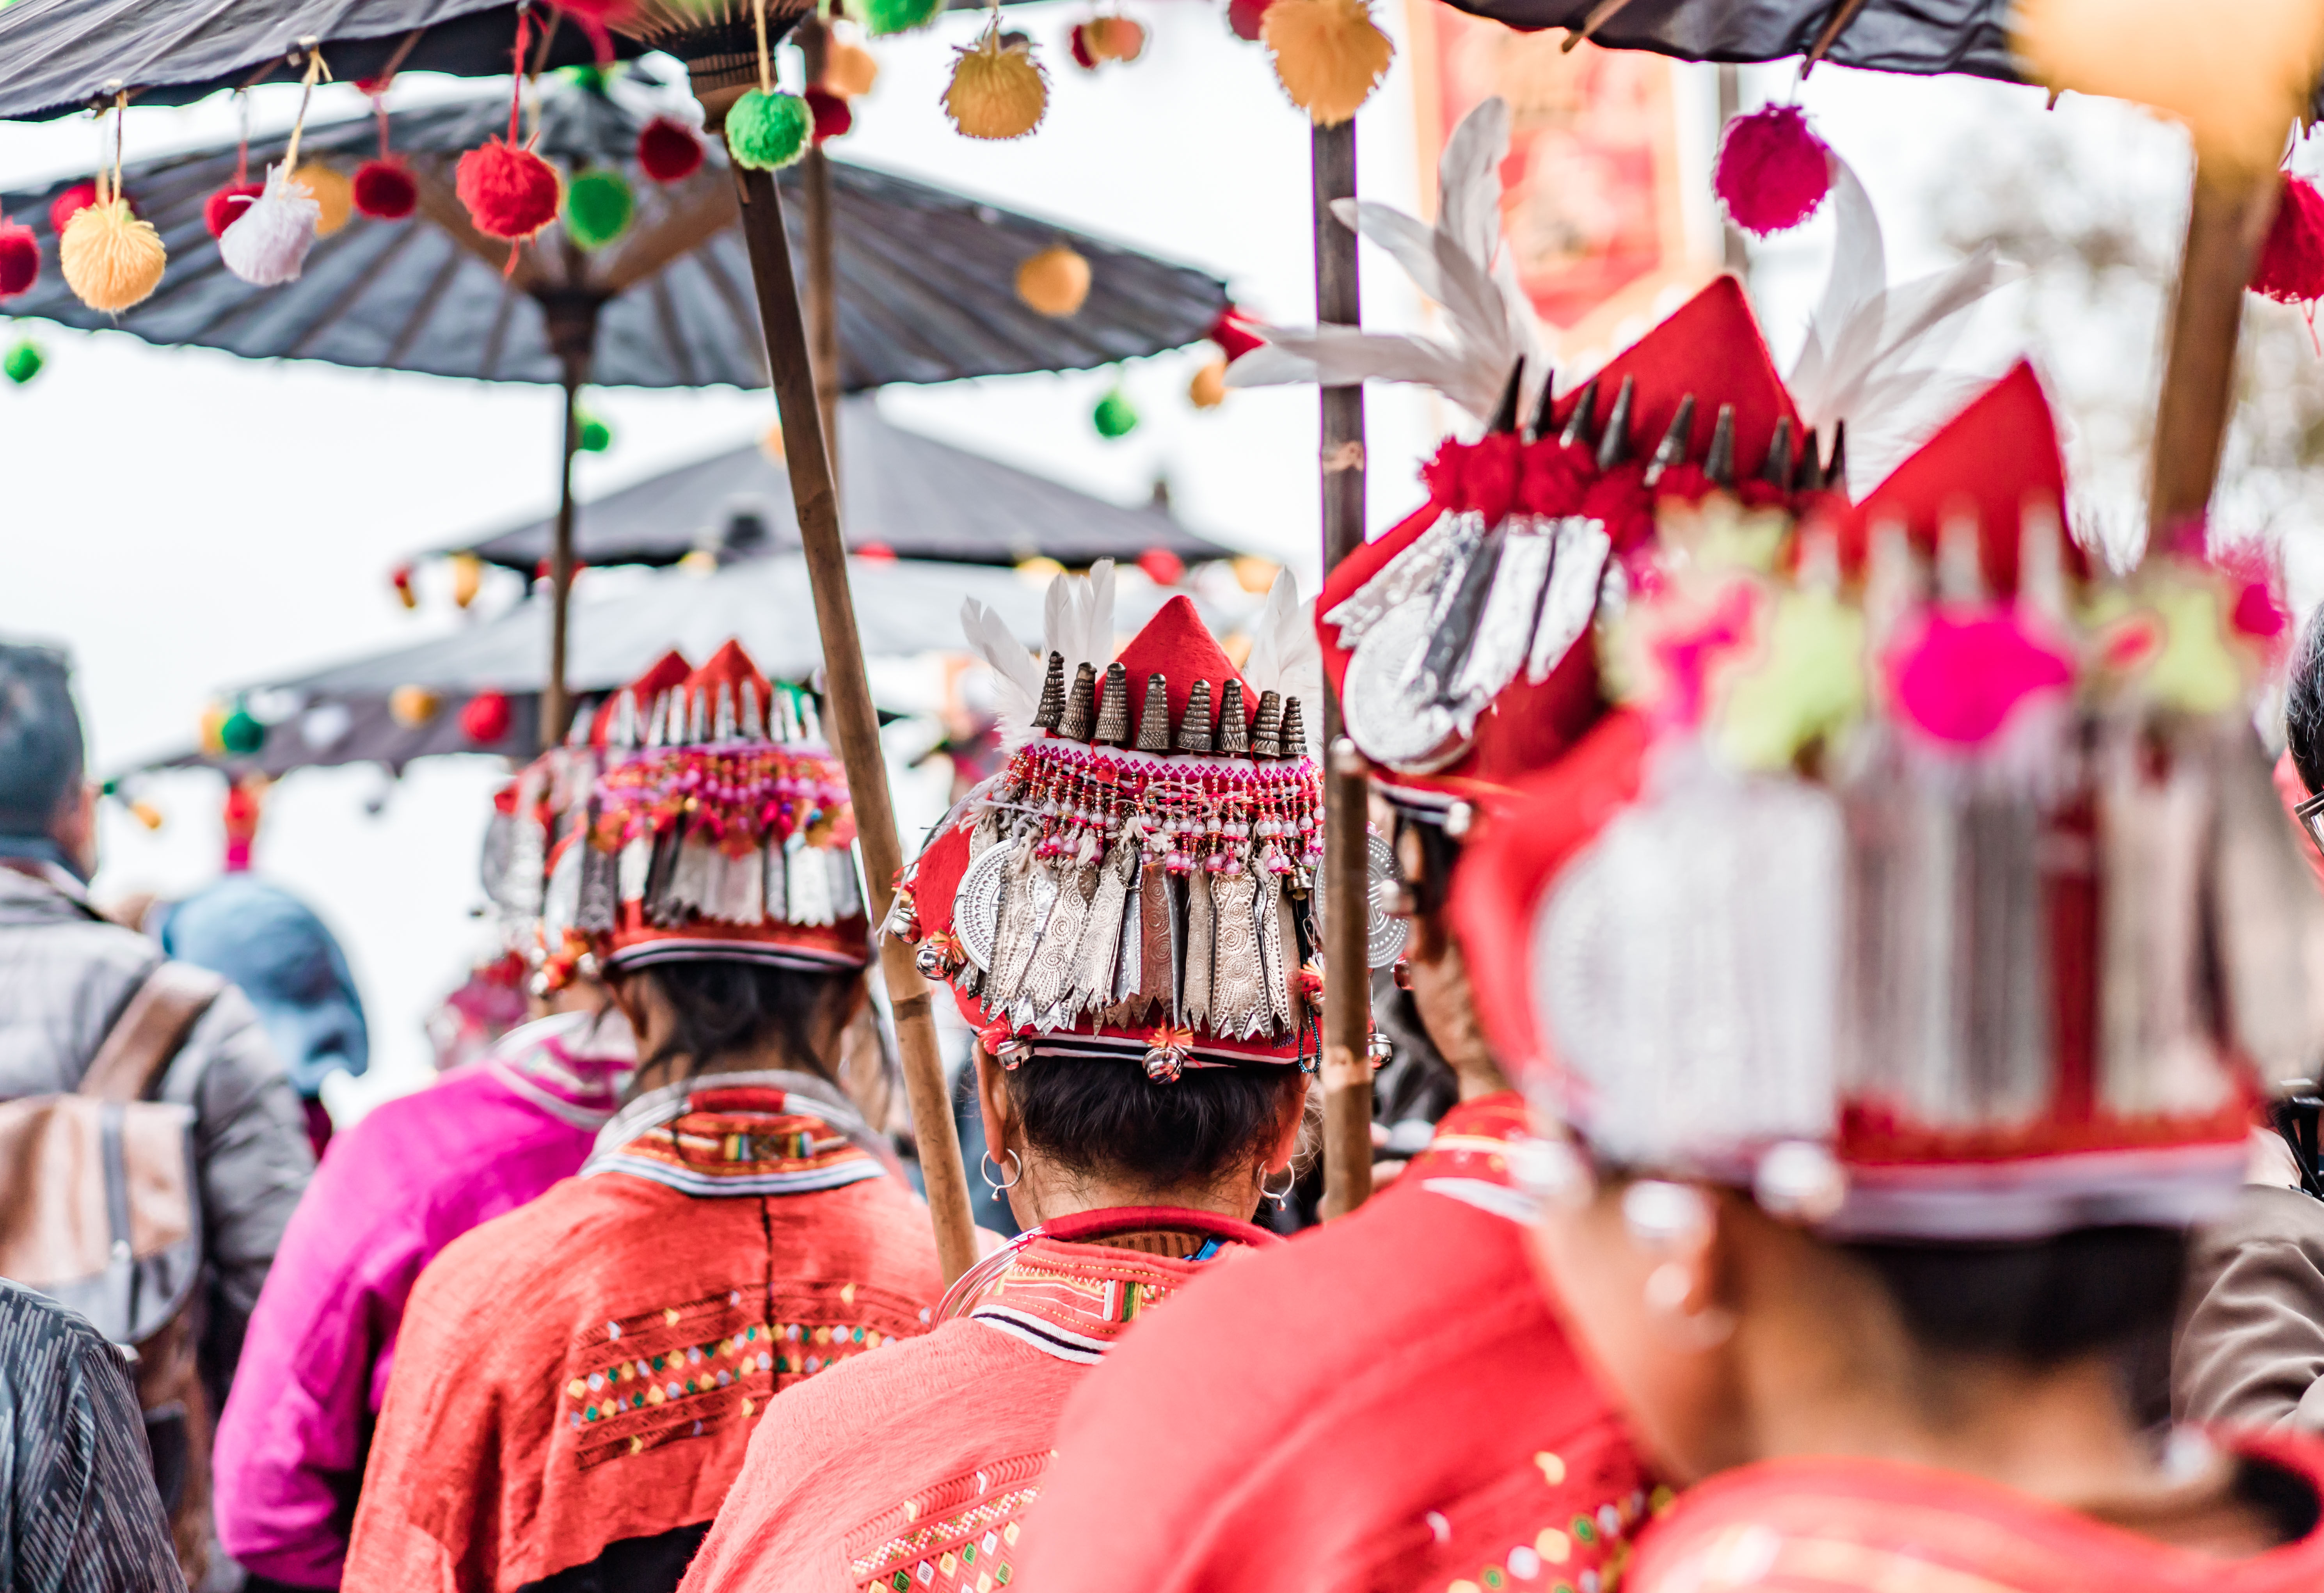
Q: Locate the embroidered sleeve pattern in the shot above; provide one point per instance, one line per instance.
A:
(959, 1536)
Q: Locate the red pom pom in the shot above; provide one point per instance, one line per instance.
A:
(385, 191)
(1556, 477)
(1488, 475)
(1162, 566)
(875, 553)
(1243, 16)
(1082, 57)
(510, 192)
(1231, 332)
(485, 719)
(831, 116)
(70, 203)
(2291, 266)
(1772, 172)
(668, 149)
(222, 208)
(20, 258)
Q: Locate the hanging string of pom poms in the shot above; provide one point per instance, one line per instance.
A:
(112, 260)
(767, 129)
(267, 245)
(384, 188)
(509, 191)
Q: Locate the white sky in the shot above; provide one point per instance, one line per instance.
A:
(186, 521)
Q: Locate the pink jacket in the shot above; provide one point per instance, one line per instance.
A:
(408, 1178)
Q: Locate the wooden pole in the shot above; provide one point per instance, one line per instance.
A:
(822, 266)
(1347, 1071)
(555, 706)
(1736, 255)
(2225, 223)
(856, 725)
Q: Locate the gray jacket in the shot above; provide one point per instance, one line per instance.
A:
(2250, 1349)
(65, 975)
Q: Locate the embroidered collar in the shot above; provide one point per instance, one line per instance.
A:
(739, 1134)
(571, 1065)
(1467, 1159)
(1070, 1287)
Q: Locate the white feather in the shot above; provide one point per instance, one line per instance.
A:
(1490, 319)
(1285, 656)
(1016, 673)
(1873, 355)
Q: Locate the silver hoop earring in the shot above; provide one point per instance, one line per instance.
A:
(987, 1166)
(1280, 1197)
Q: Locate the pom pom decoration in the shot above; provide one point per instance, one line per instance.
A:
(849, 69)
(241, 734)
(510, 192)
(598, 208)
(111, 260)
(668, 151)
(70, 203)
(1772, 172)
(222, 208)
(768, 130)
(335, 196)
(485, 718)
(1114, 417)
(2290, 269)
(1246, 17)
(1329, 55)
(1962, 678)
(467, 577)
(268, 243)
(385, 191)
(1077, 45)
(832, 118)
(1108, 37)
(898, 16)
(20, 258)
(1054, 281)
(401, 579)
(998, 90)
(23, 362)
(1208, 389)
(597, 436)
(1162, 566)
(413, 707)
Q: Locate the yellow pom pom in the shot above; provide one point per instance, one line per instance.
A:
(333, 190)
(111, 259)
(849, 69)
(413, 707)
(147, 814)
(1208, 389)
(1114, 38)
(1253, 574)
(1329, 54)
(1054, 281)
(2237, 84)
(467, 577)
(998, 91)
(1039, 570)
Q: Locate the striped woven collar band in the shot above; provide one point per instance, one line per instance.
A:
(739, 1134)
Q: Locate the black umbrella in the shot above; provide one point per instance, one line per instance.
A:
(916, 498)
(669, 304)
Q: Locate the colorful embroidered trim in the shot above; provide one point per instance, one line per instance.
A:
(967, 1544)
(646, 1380)
(716, 1153)
(1072, 1302)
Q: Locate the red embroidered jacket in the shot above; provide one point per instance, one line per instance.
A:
(1383, 1403)
(578, 1380)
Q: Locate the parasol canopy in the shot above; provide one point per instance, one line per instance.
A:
(909, 495)
(927, 278)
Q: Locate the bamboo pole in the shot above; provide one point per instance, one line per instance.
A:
(1347, 1073)
(854, 723)
(2225, 222)
(572, 323)
(822, 265)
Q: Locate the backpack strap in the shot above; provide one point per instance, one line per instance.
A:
(149, 1031)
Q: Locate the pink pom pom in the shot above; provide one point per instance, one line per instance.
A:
(1962, 678)
(1772, 172)
(2291, 266)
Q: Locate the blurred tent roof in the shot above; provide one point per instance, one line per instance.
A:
(916, 498)
(622, 621)
(928, 278)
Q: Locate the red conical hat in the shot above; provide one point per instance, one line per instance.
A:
(1176, 645)
(1997, 459)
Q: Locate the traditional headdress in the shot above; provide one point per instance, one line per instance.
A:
(1926, 879)
(1138, 880)
(718, 829)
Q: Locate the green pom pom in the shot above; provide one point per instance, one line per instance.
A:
(768, 130)
(242, 734)
(597, 436)
(1114, 417)
(898, 16)
(23, 362)
(598, 205)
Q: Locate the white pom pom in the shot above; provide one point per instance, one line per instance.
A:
(268, 241)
